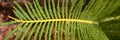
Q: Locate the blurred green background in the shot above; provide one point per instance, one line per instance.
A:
(112, 28)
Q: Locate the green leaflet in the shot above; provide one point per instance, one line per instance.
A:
(61, 20)
(7, 23)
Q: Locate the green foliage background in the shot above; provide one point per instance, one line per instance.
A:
(112, 28)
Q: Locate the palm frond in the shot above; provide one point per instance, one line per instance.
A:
(62, 20)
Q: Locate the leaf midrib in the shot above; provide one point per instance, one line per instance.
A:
(52, 20)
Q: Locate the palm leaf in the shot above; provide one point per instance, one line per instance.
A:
(62, 20)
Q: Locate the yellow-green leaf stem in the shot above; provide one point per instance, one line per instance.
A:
(69, 20)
